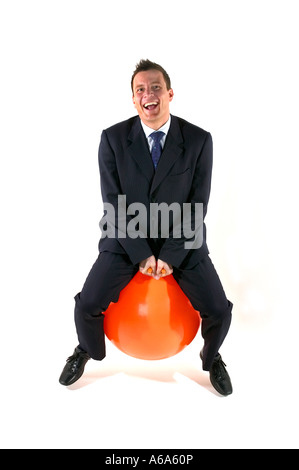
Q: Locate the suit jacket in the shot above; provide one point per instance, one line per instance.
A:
(183, 175)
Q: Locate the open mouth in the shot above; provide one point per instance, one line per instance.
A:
(151, 105)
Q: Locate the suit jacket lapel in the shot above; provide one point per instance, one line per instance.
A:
(172, 150)
(139, 150)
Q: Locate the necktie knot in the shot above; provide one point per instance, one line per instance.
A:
(156, 149)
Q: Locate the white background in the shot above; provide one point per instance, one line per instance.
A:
(65, 75)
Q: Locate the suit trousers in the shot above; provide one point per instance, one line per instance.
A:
(111, 272)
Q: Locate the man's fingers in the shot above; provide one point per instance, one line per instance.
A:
(162, 269)
(150, 270)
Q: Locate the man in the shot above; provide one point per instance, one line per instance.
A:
(133, 169)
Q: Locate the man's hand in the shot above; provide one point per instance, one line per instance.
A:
(163, 269)
(158, 269)
(148, 266)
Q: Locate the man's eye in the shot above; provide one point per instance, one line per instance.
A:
(139, 90)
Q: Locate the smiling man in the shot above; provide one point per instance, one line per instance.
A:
(151, 97)
(152, 158)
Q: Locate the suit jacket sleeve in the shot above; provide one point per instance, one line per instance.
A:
(174, 250)
(137, 249)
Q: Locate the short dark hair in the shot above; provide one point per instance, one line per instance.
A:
(144, 65)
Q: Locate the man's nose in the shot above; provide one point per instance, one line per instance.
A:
(148, 92)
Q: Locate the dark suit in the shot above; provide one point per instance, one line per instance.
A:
(183, 175)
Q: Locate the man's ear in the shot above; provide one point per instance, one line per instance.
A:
(171, 94)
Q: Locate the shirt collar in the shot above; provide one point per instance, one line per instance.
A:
(149, 130)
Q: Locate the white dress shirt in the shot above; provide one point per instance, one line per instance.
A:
(148, 131)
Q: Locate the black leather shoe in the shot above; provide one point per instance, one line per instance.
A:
(219, 376)
(74, 367)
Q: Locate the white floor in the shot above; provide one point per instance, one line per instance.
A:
(126, 403)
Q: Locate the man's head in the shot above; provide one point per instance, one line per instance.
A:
(152, 93)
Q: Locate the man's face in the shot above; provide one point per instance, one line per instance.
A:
(151, 98)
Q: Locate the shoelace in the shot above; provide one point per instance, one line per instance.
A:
(219, 365)
(74, 357)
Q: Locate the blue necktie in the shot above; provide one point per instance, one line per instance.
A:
(157, 149)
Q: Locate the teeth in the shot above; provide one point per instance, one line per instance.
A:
(149, 104)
